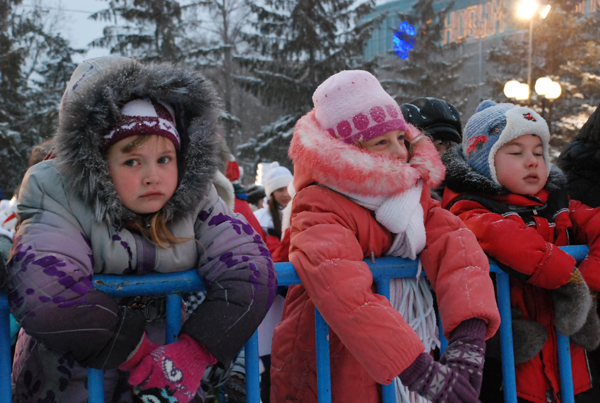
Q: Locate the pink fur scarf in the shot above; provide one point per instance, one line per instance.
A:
(319, 157)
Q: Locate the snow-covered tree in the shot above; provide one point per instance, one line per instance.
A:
(566, 49)
(431, 68)
(298, 44)
(35, 68)
(221, 27)
(144, 29)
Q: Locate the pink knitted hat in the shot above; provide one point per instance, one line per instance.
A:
(353, 106)
(142, 116)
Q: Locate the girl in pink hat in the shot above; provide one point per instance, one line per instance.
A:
(362, 177)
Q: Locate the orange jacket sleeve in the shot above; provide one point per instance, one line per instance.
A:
(328, 258)
(458, 270)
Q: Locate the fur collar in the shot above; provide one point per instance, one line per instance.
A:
(462, 178)
(95, 110)
(318, 157)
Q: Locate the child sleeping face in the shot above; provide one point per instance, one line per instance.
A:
(391, 144)
(144, 171)
(520, 165)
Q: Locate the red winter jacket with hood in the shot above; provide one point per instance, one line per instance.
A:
(331, 235)
(528, 249)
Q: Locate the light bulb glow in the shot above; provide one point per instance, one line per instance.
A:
(554, 90)
(542, 85)
(545, 10)
(522, 92)
(511, 88)
(526, 9)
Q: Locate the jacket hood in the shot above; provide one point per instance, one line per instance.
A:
(95, 109)
(461, 177)
(319, 157)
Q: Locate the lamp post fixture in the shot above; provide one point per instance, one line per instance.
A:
(526, 10)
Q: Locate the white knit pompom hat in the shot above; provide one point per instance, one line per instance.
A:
(277, 177)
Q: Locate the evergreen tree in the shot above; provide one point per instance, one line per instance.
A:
(149, 30)
(215, 56)
(566, 49)
(299, 43)
(431, 68)
(35, 66)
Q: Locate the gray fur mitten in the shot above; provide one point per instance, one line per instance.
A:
(528, 339)
(572, 303)
(588, 337)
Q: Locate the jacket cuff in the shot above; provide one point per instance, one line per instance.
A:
(474, 328)
(590, 270)
(126, 339)
(555, 271)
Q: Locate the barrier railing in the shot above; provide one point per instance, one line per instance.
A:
(384, 269)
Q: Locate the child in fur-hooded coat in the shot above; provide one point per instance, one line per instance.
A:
(338, 219)
(74, 224)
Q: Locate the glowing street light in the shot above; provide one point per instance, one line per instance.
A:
(542, 85)
(554, 91)
(526, 9)
(548, 88)
(511, 88)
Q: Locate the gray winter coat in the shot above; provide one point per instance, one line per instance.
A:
(72, 225)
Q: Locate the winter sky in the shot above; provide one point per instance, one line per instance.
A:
(75, 25)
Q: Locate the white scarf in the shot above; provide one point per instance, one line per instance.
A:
(402, 215)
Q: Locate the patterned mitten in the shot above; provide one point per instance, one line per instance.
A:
(466, 351)
(572, 302)
(176, 367)
(437, 382)
(144, 348)
(588, 337)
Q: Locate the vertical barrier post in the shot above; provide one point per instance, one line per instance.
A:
(443, 340)
(388, 391)
(95, 385)
(251, 365)
(5, 344)
(506, 339)
(563, 344)
(173, 325)
(323, 359)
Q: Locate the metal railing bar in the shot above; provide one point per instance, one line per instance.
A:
(173, 284)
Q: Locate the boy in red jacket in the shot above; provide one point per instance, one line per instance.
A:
(501, 184)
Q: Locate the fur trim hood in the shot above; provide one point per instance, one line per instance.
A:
(319, 157)
(95, 110)
(463, 178)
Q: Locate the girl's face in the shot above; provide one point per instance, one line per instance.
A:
(391, 144)
(520, 165)
(282, 196)
(145, 175)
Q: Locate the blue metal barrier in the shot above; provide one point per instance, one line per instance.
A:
(384, 269)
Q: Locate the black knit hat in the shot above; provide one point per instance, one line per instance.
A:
(437, 118)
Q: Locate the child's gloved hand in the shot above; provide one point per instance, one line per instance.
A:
(572, 303)
(529, 338)
(437, 382)
(144, 348)
(466, 351)
(588, 337)
(177, 368)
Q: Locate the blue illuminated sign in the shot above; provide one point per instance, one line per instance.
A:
(403, 41)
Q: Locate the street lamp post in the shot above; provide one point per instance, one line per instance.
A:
(526, 10)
